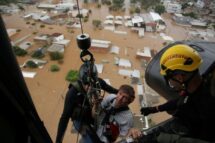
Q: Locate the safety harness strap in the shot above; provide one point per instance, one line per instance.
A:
(112, 130)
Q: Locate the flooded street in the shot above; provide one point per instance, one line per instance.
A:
(48, 89)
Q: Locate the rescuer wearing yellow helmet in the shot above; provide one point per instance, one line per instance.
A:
(194, 111)
(179, 64)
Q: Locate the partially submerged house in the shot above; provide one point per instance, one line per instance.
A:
(124, 63)
(65, 6)
(158, 20)
(128, 23)
(34, 16)
(173, 7)
(118, 22)
(11, 32)
(127, 17)
(56, 48)
(57, 7)
(74, 25)
(141, 32)
(144, 54)
(118, 17)
(153, 22)
(43, 39)
(40, 16)
(58, 38)
(198, 24)
(114, 49)
(181, 20)
(137, 21)
(140, 90)
(25, 45)
(120, 32)
(166, 38)
(125, 72)
(135, 77)
(133, 74)
(9, 9)
(64, 42)
(28, 74)
(83, 12)
(46, 6)
(110, 17)
(108, 22)
(100, 45)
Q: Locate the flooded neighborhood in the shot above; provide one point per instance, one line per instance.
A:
(122, 43)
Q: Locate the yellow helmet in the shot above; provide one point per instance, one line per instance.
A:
(179, 57)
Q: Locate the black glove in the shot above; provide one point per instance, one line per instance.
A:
(148, 110)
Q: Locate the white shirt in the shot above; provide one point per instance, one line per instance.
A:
(123, 118)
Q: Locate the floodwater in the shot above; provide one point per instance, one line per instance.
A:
(48, 89)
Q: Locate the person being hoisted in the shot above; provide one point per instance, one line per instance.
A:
(77, 104)
(115, 118)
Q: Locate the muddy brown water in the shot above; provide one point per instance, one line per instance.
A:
(48, 89)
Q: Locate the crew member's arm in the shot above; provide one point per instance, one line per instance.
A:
(170, 105)
(107, 87)
(67, 111)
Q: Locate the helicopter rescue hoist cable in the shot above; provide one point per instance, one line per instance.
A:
(94, 93)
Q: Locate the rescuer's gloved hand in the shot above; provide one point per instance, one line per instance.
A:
(148, 110)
